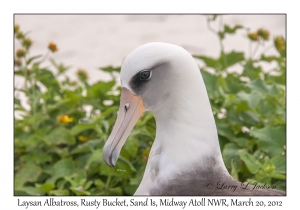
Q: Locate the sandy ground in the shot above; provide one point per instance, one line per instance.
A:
(93, 41)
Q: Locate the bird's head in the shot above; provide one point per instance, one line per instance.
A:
(150, 77)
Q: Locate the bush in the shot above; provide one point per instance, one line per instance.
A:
(58, 148)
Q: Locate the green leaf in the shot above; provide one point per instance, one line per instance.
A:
(135, 181)
(121, 170)
(32, 58)
(61, 68)
(278, 176)
(47, 78)
(251, 71)
(268, 166)
(232, 30)
(58, 104)
(221, 35)
(258, 85)
(213, 18)
(28, 173)
(130, 189)
(241, 142)
(210, 62)
(249, 117)
(60, 136)
(273, 89)
(210, 81)
(271, 58)
(280, 185)
(110, 69)
(61, 183)
(99, 183)
(224, 129)
(131, 146)
(79, 191)
(59, 192)
(113, 191)
(87, 185)
(222, 86)
(229, 59)
(266, 107)
(231, 156)
(31, 191)
(77, 129)
(46, 187)
(37, 157)
(109, 111)
(251, 162)
(280, 164)
(234, 170)
(72, 96)
(252, 98)
(20, 193)
(63, 168)
(233, 83)
(19, 72)
(224, 61)
(99, 90)
(95, 157)
(86, 147)
(271, 139)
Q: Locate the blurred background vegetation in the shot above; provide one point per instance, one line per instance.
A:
(58, 148)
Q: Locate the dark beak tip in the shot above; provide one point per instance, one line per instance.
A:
(109, 163)
(110, 157)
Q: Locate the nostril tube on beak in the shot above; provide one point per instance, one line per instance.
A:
(126, 107)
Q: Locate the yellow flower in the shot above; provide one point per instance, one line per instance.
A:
(83, 138)
(279, 43)
(145, 154)
(17, 62)
(264, 34)
(52, 47)
(64, 119)
(20, 35)
(20, 53)
(82, 74)
(253, 36)
(27, 43)
(16, 28)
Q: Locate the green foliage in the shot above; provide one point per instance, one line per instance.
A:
(58, 144)
(249, 108)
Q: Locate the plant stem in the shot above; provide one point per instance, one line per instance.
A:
(266, 49)
(255, 50)
(44, 58)
(250, 50)
(215, 32)
(108, 181)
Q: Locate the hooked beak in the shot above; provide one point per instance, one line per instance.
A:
(131, 108)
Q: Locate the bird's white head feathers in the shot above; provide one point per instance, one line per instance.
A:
(175, 93)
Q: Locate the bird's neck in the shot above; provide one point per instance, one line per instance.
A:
(186, 134)
(186, 139)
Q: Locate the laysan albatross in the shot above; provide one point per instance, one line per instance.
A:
(185, 158)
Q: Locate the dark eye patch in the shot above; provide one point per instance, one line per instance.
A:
(140, 79)
(145, 75)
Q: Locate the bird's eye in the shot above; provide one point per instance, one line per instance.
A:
(145, 75)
